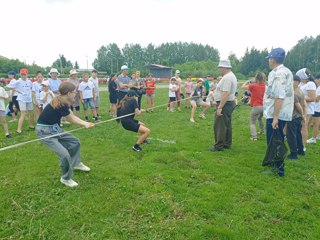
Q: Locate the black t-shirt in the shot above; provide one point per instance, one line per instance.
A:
(50, 116)
(112, 87)
(128, 108)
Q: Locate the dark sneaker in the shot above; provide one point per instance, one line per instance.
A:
(136, 149)
(8, 136)
(146, 141)
(281, 170)
(215, 149)
(292, 156)
(301, 153)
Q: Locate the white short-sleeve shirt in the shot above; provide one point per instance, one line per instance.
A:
(309, 86)
(86, 89)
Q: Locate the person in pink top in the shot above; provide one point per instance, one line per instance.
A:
(188, 88)
(257, 92)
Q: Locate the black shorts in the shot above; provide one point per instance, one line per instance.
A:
(113, 97)
(172, 99)
(130, 125)
(316, 114)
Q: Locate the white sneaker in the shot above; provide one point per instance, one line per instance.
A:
(192, 120)
(312, 140)
(69, 183)
(202, 116)
(82, 167)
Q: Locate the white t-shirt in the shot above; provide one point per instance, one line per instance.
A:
(317, 104)
(49, 98)
(37, 88)
(305, 88)
(3, 93)
(25, 90)
(86, 89)
(96, 85)
(15, 94)
(174, 87)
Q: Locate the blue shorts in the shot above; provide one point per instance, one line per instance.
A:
(151, 95)
(88, 102)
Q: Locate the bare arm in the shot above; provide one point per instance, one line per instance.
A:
(137, 112)
(311, 96)
(77, 121)
(245, 85)
(299, 108)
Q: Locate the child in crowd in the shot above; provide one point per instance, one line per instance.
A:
(88, 96)
(4, 95)
(113, 94)
(36, 89)
(24, 88)
(150, 92)
(173, 88)
(197, 100)
(95, 80)
(13, 103)
(76, 82)
(46, 95)
(188, 86)
(129, 106)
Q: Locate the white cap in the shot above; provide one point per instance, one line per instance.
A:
(73, 71)
(45, 83)
(302, 74)
(54, 70)
(124, 67)
(224, 64)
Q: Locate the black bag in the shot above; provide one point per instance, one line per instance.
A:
(276, 151)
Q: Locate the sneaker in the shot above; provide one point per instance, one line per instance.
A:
(168, 109)
(202, 116)
(146, 141)
(82, 167)
(136, 149)
(192, 120)
(69, 183)
(13, 120)
(20, 133)
(253, 138)
(292, 156)
(304, 149)
(172, 110)
(312, 140)
(8, 136)
(179, 109)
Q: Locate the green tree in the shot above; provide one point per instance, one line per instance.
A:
(76, 65)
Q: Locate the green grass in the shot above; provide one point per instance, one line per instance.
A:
(169, 191)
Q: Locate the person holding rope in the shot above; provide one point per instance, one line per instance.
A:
(196, 100)
(64, 145)
(127, 108)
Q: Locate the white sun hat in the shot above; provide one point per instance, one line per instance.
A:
(224, 64)
(54, 70)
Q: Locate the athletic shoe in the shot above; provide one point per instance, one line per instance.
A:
(202, 116)
(292, 157)
(136, 149)
(8, 136)
(13, 120)
(69, 183)
(192, 120)
(172, 110)
(304, 149)
(146, 142)
(312, 140)
(21, 133)
(253, 139)
(215, 149)
(82, 167)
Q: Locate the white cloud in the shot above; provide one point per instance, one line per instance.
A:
(39, 30)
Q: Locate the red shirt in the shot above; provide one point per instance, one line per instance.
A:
(150, 85)
(257, 93)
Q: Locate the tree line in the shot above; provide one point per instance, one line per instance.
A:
(191, 58)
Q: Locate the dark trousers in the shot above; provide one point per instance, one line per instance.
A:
(281, 124)
(294, 136)
(15, 103)
(139, 100)
(223, 126)
(121, 95)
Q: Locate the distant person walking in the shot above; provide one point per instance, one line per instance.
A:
(225, 98)
(278, 99)
(256, 92)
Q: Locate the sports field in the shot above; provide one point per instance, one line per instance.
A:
(174, 189)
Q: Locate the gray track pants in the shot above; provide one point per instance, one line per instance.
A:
(65, 146)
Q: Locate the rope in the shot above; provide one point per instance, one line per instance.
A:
(77, 129)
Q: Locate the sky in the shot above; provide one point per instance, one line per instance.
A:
(39, 30)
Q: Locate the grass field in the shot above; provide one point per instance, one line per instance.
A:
(169, 191)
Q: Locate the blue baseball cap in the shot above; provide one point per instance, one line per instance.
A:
(277, 53)
(12, 73)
